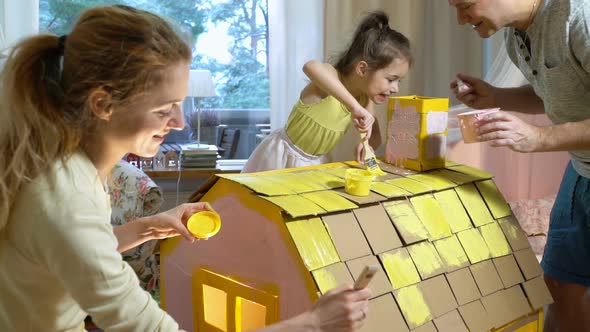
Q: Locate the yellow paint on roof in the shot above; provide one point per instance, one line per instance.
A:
(399, 268)
(432, 216)
(287, 181)
(388, 190)
(330, 201)
(494, 237)
(410, 185)
(295, 205)
(452, 253)
(412, 303)
(325, 179)
(426, 258)
(262, 186)
(337, 171)
(475, 205)
(474, 245)
(494, 199)
(456, 177)
(478, 173)
(325, 280)
(313, 243)
(433, 180)
(453, 210)
(406, 221)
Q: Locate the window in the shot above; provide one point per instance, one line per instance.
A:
(231, 40)
(221, 304)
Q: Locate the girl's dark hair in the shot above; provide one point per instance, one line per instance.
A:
(47, 80)
(375, 43)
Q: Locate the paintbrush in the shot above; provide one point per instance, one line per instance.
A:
(370, 161)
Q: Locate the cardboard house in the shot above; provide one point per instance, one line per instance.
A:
(417, 132)
(451, 255)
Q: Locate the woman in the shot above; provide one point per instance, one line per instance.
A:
(70, 108)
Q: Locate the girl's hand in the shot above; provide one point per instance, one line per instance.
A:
(341, 310)
(173, 222)
(505, 129)
(478, 93)
(362, 119)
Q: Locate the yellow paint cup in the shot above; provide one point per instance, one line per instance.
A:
(204, 224)
(358, 181)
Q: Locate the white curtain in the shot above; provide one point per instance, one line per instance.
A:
(296, 36)
(19, 18)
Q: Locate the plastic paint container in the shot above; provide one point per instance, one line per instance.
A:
(204, 224)
(467, 121)
(358, 181)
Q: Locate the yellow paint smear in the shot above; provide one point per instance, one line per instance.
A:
(432, 216)
(337, 171)
(433, 180)
(456, 177)
(494, 199)
(477, 173)
(410, 185)
(287, 181)
(325, 280)
(406, 221)
(399, 268)
(330, 201)
(453, 210)
(494, 237)
(473, 202)
(413, 305)
(325, 179)
(427, 260)
(452, 253)
(474, 245)
(295, 205)
(262, 186)
(388, 190)
(313, 243)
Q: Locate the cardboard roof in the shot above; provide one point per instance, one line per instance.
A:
(451, 255)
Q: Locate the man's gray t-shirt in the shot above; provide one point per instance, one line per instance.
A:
(558, 63)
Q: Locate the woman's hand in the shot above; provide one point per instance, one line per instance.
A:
(505, 129)
(362, 119)
(479, 94)
(173, 222)
(342, 309)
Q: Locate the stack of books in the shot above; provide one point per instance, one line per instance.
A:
(198, 156)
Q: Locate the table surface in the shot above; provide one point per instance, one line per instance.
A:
(226, 166)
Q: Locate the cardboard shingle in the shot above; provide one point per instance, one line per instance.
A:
(378, 228)
(388, 190)
(330, 201)
(474, 245)
(514, 233)
(347, 235)
(508, 271)
(471, 171)
(457, 177)
(537, 293)
(432, 216)
(494, 199)
(438, 295)
(506, 305)
(486, 277)
(433, 180)
(453, 210)
(313, 243)
(428, 327)
(296, 206)
(450, 322)
(406, 221)
(452, 253)
(413, 305)
(527, 261)
(379, 285)
(475, 317)
(463, 286)
(410, 185)
(426, 259)
(383, 311)
(360, 200)
(400, 268)
(332, 276)
(492, 234)
(474, 204)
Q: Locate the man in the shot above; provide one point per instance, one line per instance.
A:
(549, 41)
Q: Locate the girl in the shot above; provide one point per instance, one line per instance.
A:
(367, 73)
(70, 108)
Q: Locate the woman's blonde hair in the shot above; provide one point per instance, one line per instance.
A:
(46, 82)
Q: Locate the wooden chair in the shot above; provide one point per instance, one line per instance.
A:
(228, 142)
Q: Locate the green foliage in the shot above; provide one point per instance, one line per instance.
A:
(241, 84)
